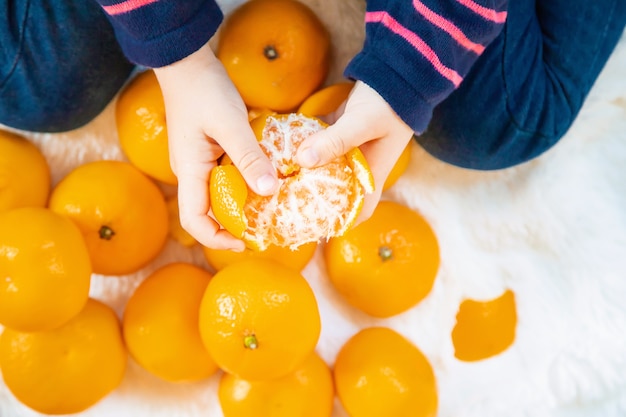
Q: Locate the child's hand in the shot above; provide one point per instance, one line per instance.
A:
(206, 117)
(366, 121)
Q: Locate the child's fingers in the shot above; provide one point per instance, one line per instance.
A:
(193, 198)
(336, 140)
(239, 142)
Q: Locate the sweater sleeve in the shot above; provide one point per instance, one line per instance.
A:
(417, 52)
(156, 33)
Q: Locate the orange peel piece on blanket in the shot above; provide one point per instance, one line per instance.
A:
(484, 328)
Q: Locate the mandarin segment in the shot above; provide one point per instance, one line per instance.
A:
(378, 372)
(44, 268)
(306, 392)
(387, 264)
(484, 328)
(142, 128)
(259, 319)
(258, 123)
(160, 324)
(68, 369)
(276, 52)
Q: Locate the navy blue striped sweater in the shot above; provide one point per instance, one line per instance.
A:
(416, 52)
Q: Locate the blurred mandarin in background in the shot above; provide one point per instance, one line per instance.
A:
(24, 173)
(276, 52)
(45, 269)
(142, 128)
(378, 372)
(68, 369)
(160, 324)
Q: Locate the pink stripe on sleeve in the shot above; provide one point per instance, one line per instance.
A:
(417, 42)
(489, 14)
(447, 26)
(126, 6)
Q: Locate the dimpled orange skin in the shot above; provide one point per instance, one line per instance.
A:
(228, 192)
(380, 373)
(296, 259)
(306, 392)
(161, 324)
(484, 328)
(68, 369)
(45, 269)
(121, 213)
(259, 319)
(387, 264)
(142, 128)
(24, 173)
(276, 52)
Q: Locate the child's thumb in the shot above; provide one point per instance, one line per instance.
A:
(326, 145)
(254, 165)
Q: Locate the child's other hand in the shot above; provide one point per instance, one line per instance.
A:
(207, 117)
(366, 121)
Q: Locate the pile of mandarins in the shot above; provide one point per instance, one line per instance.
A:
(252, 316)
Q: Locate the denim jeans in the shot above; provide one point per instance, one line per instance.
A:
(60, 64)
(524, 92)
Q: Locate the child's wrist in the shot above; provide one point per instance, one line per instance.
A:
(199, 60)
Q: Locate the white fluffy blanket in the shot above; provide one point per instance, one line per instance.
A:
(553, 230)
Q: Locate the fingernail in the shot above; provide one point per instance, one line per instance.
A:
(266, 183)
(309, 157)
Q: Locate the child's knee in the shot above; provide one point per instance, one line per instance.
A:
(59, 99)
(66, 68)
(48, 116)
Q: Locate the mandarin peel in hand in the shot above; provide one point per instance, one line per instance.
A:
(310, 204)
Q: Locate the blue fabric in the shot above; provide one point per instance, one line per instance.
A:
(60, 64)
(165, 31)
(526, 89)
(403, 76)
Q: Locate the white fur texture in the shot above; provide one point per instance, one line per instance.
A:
(552, 230)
